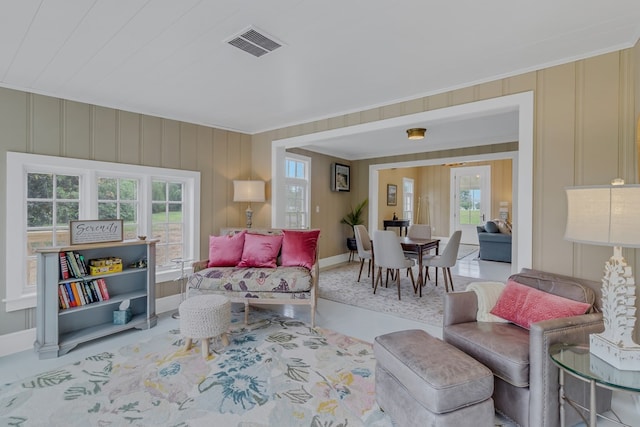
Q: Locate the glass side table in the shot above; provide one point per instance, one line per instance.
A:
(183, 280)
(577, 361)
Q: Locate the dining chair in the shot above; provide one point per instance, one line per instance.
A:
(389, 255)
(418, 231)
(363, 242)
(446, 260)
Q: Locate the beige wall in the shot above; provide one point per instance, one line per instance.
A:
(434, 189)
(584, 133)
(585, 123)
(43, 125)
(393, 176)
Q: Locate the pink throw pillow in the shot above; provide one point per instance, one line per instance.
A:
(225, 251)
(524, 305)
(260, 250)
(299, 248)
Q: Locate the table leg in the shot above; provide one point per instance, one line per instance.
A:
(373, 268)
(561, 394)
(593, 415)
(421, 277)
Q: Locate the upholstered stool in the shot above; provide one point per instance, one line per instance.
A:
(423, 381)
(203, 317)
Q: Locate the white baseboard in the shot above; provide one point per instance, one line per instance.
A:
(17, 341)
(23, 340)
(334, 260)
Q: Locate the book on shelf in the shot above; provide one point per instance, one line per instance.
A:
(95, 289)
(80, 270)
(72, 298)
(88, 297)
(73, 264)
(62, 303)
(64, 267)
(77, 292)
(83, 265)
(103, 289)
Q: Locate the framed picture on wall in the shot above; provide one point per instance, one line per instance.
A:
(340, 177)
(392, 194)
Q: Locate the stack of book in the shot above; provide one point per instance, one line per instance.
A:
(81, 292)
(72, 265)
(75, 294)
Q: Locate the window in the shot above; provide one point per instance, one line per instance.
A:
(52, 201)
(48, 192)
(167, 220)
(407, 198)
(118, 198)
(296, 191)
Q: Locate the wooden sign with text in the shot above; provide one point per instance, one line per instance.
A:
(95, 231)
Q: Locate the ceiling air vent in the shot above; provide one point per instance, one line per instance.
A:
(255, 42)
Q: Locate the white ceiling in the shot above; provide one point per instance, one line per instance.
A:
(170, 58)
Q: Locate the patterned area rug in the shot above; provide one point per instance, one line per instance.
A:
(280, 373)
(466, 250)
(340, 285)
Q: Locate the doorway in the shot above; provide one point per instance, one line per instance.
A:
(470, 200)
(522, 198)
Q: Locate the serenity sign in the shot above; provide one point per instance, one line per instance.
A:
(95, 231)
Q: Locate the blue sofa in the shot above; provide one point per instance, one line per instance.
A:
(494, 245)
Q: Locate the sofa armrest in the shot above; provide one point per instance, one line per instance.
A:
(543, 373)
(460, 307)
(199, 265)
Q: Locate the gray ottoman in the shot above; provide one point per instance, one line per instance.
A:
(423, 381)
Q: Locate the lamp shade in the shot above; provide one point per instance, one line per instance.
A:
(604, 215)
(248, 191)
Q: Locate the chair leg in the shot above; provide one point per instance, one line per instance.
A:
(426, 272)
(398, 281)
(369, 269)
(450, 279)
(446, 279)
(361, 265)
(413, 282)
(436, 276)
(379, 278)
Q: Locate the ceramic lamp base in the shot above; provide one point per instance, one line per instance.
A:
(622, 358)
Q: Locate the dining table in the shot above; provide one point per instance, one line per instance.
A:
(420, 247)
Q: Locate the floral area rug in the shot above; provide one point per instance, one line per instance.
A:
(276, 372)
(340, 285)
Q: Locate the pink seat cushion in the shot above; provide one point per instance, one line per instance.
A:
(225, 251)
(299, 248)
(260, 250)
(524, 305)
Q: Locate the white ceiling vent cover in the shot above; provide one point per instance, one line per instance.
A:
(255, 41)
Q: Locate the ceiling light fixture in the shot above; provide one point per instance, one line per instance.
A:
(416, 133)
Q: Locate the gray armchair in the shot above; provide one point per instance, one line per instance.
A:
(525, 379)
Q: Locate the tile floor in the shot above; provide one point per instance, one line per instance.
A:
(355, 322)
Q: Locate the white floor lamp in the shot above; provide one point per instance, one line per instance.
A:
(608, 215)
(248, 191)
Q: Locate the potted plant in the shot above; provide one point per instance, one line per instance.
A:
(355, 217)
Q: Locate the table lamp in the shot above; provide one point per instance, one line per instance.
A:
(609, 215)
(248, 191)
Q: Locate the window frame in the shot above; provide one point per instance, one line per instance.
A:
(304, 182)
(405, 196)
(18, 296)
